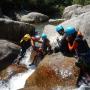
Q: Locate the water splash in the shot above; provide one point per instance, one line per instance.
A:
(18, 81)
(4, 85)
(26, 60)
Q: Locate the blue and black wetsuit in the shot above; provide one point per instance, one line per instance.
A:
(46, 46)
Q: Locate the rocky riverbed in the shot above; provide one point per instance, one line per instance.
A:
(55, 71)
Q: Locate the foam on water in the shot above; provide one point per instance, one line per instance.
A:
(18, 81)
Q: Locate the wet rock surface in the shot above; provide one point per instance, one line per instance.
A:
(8, 52)
(11, 70)
(52, 71)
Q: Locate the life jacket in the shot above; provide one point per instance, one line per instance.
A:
(82, 44)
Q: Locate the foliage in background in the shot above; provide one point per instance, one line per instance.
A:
(82, 2)
(49, 7)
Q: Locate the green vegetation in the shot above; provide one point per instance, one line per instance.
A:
(82, 2)
(49, 7)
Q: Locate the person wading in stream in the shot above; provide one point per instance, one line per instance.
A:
(63, 42)
(25, 43)
(77, 43)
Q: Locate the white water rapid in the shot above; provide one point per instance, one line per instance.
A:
(18, 81)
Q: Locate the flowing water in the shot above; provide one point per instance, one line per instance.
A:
(40, 27)
(18, 81)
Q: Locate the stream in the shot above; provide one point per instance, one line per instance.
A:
(18, 81)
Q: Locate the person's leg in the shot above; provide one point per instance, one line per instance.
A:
(33, 57)
(38, 56)
(23, 51)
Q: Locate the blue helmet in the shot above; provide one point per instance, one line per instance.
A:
(70, 30)
(59, 28)
(44, 36)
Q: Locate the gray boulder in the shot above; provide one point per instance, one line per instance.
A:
(75, 10)
(52, 35)
(8, 52)
(34, 17)
(14, 30)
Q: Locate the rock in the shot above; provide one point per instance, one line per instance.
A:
(14, 30)
(56, 21)
(54, 70)
(52, 35)
(34, 17)
(8, 52)
(11, 71)
(75, 10)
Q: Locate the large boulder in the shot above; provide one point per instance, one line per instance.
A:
(75, 10)
(54, 70)
(34, 17)
(14, 30)
(52, 35)
(8, 52)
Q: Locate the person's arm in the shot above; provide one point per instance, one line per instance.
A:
(32, 43)
(73, 47)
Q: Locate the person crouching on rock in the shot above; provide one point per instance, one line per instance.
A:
(77, 43)
(63, 42)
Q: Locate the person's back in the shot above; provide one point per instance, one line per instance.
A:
(82, 44)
